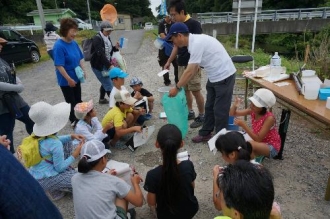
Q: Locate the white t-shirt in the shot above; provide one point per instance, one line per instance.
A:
(50, 39)
(112, 101)
(210, 54)
(95, 193)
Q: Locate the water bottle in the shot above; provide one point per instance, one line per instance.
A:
(122, 42)
(275, 66)
(275, 60)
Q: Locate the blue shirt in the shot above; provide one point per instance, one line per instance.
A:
(67, 55)
(52, 147)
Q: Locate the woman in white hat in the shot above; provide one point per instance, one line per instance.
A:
(101, 195)
(54, 172)
(266, 140)
(88, 124)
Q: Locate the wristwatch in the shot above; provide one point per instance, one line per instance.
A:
(178, 88)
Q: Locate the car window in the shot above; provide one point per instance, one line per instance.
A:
(9, 35)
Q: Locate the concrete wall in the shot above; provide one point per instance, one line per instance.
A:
(282, 26)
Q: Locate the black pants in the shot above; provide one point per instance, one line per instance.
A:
(162, 59)
(102, 92)
(72, 95)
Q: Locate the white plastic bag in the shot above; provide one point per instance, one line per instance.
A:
(118, 60)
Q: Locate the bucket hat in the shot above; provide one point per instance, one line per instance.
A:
(263, 98)
(125, 97)
(50, 27)
(93, 150)
(81, 109)
(49, 119)
(135, 81)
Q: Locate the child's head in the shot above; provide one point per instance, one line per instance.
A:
(83, 109)
(92, 154)
(233, 147)
(117, 76)
(124, 100)
(169, 140)
(261, 100)
(246, 191)
(136, 84)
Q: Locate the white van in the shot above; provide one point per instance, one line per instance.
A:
(83, 25)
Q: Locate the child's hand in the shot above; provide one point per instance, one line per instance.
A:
(108, 126)
(4, 141)
(216, 171)
(136, 179)
(238, 102)
(138, 95)
(137, 128)
(112, 172)
(80, 138)
(239, 122)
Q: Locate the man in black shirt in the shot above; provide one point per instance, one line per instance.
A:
(177, 10)
(163, 29)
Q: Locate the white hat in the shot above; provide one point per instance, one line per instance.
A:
(49, 119)
(93, 150)
(263, 98)
(81, 109)
(125, 97)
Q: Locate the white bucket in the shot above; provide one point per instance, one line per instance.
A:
(162, 91)
(310, 90)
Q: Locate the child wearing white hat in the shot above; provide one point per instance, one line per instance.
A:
(266, 140)
(101, 195)
(54, 172)
(88, 124)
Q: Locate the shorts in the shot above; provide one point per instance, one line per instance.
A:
(121, 212)
(272, 151)
(194, 83)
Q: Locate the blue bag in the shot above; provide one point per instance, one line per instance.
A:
(177, 111)
(80, 74)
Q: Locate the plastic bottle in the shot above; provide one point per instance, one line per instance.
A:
(275, 60)
(123, 42)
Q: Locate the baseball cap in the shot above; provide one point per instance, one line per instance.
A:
(263, 98)
(106, 25)
(125, 97)
(93, 150)
(177, 27)
(135, 81)
(117, 73)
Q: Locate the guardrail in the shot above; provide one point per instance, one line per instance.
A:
(267, 15)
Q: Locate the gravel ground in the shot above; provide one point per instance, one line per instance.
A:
(300, 179)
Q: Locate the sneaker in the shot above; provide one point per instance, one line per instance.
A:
(147, 116)
(103, 101)
(191, 115)
(197, 122)
(199, 138)
(55, 195)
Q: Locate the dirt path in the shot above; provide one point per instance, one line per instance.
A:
(300, 179)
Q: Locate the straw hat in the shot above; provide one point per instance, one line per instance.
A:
(49, 119)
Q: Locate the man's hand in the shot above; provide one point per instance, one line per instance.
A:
(173, 92)
(167, 65)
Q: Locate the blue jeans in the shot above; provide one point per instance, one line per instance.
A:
(105, 81)
(7, 124)
(218, 101)
(21, 195)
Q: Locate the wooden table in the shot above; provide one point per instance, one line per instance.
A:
(289, 94)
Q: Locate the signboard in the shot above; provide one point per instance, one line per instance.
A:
(247, 6)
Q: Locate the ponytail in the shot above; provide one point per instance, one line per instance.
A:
(84, 166)
(169, 138)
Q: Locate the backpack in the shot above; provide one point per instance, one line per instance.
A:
(28, 152)
(87, 46)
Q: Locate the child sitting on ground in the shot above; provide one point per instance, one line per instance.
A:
(101, 195)
(266, 140)
(122, 118)
(88, 124)
(245, 190)
(140, 93)
(170, 186)
(118, 79)
(233, 147)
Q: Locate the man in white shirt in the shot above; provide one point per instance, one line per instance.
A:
(208, 53)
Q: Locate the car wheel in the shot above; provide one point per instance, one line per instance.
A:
(35, 57)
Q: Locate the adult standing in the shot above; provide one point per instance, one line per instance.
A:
(102, 51)
(12, 105)
(68, 56)
(208, 53)
(163, 28)
(177, 10)
(50, 38)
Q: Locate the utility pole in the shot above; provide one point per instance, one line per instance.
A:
(89, 12)
(41, 14)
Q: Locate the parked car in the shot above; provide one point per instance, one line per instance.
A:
(148, 26)
(18, 49)
(82, 25)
